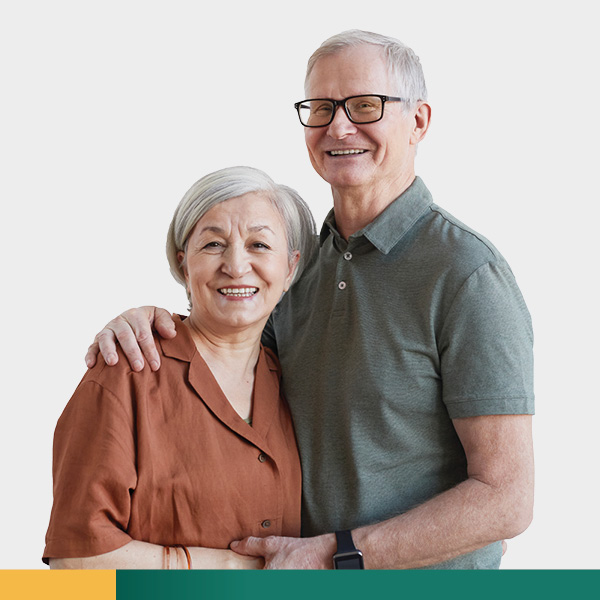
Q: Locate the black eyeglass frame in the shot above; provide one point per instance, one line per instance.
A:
(337, 103)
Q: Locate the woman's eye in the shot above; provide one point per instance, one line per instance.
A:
(213, 245)
(260, 246)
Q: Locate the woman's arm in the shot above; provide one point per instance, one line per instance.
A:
(142, 555)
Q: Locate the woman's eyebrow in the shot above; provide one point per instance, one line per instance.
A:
(260, 228)
(212, 228)
(220, 231)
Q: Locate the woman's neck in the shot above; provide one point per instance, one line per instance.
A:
(238, 349)
(232, 360)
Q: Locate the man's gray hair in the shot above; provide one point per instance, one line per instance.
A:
(233, 182)
(403, 64)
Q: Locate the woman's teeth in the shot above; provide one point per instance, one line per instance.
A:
(238, 292)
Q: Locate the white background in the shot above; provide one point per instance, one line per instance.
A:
(111, 110)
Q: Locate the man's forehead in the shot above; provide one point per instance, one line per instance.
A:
(358, 69)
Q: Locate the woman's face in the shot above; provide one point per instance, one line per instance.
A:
(237, 265)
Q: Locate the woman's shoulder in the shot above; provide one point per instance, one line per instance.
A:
(271, 359)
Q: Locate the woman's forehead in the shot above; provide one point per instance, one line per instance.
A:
(252, 213)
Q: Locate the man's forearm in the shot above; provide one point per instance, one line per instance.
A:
(467, 517)
(494, 503)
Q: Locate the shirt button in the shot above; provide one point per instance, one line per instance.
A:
(262, 457)
(342, 285)
(348, 255)
(266, 523)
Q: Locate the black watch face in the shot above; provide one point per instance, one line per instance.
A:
(354, 561)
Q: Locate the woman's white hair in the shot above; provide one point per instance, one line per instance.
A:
(403, 64)
(233, 182)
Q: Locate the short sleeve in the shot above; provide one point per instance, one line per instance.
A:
(486, 347)
(94, 475)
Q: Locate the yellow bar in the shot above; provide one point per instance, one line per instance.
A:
(58, 585)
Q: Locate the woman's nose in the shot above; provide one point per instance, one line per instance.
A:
(236, 262)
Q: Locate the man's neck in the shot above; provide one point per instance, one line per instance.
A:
(355, 209)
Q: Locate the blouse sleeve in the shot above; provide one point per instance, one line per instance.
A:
(94, 473)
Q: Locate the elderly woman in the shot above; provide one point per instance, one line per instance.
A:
(165, 469)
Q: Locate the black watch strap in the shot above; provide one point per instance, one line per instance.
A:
(347, 555)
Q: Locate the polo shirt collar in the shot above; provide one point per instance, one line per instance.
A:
(385, 231)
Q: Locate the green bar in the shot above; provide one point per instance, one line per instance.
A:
(363, 585)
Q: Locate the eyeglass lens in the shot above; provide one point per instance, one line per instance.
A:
(362, 109)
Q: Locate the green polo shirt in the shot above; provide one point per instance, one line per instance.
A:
(387, 337)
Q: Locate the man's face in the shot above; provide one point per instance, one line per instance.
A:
(385, 158)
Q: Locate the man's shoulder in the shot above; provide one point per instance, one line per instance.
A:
(450, 243)
(462, 235)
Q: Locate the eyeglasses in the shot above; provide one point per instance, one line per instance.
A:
(319, 112)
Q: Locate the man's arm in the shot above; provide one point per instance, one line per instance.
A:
(133, 331)
(494, 503)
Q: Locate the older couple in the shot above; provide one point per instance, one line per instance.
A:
(405, 346)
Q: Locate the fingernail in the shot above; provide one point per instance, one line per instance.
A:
(234, 543)
(111, 359)
(88, 363)
(154, 365)
(137, 365)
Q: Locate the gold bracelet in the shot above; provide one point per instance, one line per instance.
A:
(187, 555)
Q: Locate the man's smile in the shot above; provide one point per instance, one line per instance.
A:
(345, 152)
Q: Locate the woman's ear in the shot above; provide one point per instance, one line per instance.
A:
(181, 261)
(293, 264)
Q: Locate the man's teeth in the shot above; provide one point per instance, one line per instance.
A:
(339, 152)
(239, 292)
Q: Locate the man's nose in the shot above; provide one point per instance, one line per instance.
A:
(236, 262)
(341, 126)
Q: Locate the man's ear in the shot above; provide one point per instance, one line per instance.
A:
(422, 119)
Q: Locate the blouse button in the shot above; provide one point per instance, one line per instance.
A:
(348, 255)
(262, 457)
(266, 523)
(342, 285)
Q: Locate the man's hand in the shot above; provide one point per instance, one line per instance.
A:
(290, 553)
(133, 331)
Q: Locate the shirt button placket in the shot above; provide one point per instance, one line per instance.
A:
(262, 457)
(342, 285)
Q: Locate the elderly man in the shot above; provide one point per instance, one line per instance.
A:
(406, 347)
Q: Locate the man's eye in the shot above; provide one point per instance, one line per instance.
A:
(364, 107)
(322, 109)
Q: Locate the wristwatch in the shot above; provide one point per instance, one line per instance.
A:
(347, 555)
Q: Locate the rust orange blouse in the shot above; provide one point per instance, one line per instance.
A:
(162, 457)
